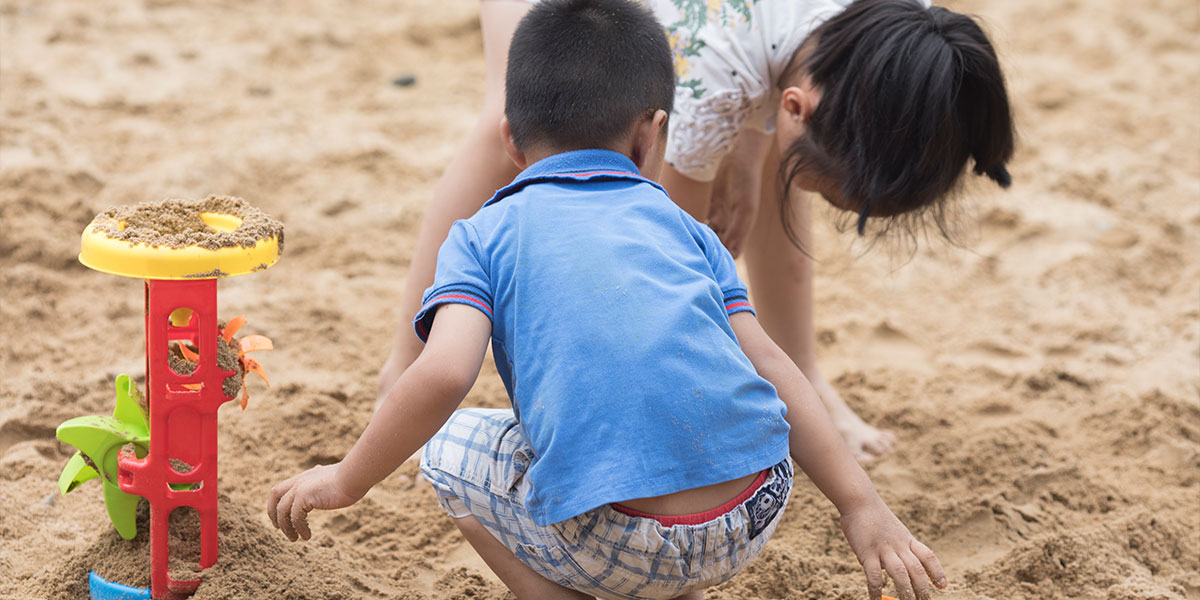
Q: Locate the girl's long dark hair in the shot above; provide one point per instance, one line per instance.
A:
(908, 94)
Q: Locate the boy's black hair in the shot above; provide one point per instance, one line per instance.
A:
(908, 94)
(581, 72)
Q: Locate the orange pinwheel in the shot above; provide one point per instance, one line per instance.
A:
(244, 346)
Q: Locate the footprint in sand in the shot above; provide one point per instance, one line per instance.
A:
(981, 538)
(884, 346)
(893, 345)
(992, 357)
(14, 432)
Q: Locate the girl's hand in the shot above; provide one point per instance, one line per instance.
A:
(735, 200)
(737, 190)
(881, 542)
(291, 501)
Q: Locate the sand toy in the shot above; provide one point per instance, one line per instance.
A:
(163, 446)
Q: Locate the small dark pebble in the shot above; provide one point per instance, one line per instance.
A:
(404, 80)
(259, 90)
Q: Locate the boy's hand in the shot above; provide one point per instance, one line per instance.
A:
(419, 403)
(291, 501)
(881, 542)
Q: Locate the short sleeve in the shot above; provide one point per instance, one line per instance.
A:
(733, 291)
(461, 278)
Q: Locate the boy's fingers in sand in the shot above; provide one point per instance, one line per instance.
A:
(916, 575)
(276, 494)
(899, 574)
(285, 514)
(874, 578)
(299, 514)
(930, 561)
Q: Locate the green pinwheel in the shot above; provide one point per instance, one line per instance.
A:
(100, 440)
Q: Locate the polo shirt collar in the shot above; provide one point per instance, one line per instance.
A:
(576, 165)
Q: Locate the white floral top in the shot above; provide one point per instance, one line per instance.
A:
(728, 57)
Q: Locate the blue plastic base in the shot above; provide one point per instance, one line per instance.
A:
(103, 590)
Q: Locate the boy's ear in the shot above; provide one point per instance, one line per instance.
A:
(510, 148)
(649, 144)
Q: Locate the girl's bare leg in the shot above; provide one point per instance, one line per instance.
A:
(477, 171)
(781, 281)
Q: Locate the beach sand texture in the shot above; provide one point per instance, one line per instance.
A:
(1043, 379)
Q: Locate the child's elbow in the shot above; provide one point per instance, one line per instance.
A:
(774, 365)
(461, 380)
(769, 360)
(451, 377)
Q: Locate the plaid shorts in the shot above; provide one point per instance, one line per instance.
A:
(477, 463)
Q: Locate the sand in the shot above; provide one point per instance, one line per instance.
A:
(1043, 379)
(179, 222)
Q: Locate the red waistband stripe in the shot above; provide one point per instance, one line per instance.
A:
(700, 517)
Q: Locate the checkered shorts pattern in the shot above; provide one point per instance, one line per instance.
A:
(477, 463)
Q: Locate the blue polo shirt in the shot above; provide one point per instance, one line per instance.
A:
(610, 328)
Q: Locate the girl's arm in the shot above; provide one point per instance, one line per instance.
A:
(878, 538)
(729, 204)
(416, 407)
(691, 195)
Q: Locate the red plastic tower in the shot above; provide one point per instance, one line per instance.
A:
(183, 425)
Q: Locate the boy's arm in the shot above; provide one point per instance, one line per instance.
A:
(416, 407)
(878, 538)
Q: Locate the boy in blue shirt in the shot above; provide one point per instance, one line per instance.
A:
(647, 451)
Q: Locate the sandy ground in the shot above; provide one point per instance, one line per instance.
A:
(1044, 379)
